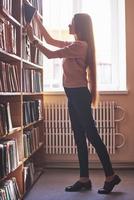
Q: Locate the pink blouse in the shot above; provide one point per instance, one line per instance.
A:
(74, 68)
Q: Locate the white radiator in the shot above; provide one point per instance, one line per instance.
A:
(59, 136)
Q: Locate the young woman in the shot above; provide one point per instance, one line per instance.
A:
(79, 74)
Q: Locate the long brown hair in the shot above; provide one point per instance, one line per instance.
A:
(84, 31)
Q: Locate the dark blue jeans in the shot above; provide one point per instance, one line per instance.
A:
(83, 125)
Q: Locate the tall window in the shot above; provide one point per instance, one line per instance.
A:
(108, 18)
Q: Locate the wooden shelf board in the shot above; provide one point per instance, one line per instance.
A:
(14, 130)
(31, 124)
(10, 93)
(40, 146)
(32, 93)
(9, 17)
(8, 57)
(32, 65)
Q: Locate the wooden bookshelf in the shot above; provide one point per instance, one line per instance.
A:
(21, 99)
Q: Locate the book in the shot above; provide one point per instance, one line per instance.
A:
(4, 121)
(1, 34)
(29, 12)
(29, 173)
(10, 126)
(2, 169)
(16, 188)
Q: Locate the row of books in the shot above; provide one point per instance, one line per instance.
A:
(9, 157)
(7, 36)
(32, 111)
(7, 6)
(9, 77)
(36, 56)
(29, 174)
(30, 52)
(9, 190)
(32, 80)
(5, 119)
(31, 141)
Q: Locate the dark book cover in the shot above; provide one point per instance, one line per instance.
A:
(28, 112)
(36, 107)
(32, 111)
(25, 119)
(2, 169)
(29, 12)
(3, 119)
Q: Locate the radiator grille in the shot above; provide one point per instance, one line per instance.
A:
(59, 135)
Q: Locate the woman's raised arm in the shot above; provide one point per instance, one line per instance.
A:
(47, 36)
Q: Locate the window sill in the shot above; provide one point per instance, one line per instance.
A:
(121, 92)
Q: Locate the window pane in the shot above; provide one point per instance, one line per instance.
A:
(57, 13)
(100, 12)
(108, 18)
(57, 24)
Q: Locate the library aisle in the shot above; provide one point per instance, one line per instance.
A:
(51, 186)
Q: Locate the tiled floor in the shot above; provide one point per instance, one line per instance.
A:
(51, 185)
